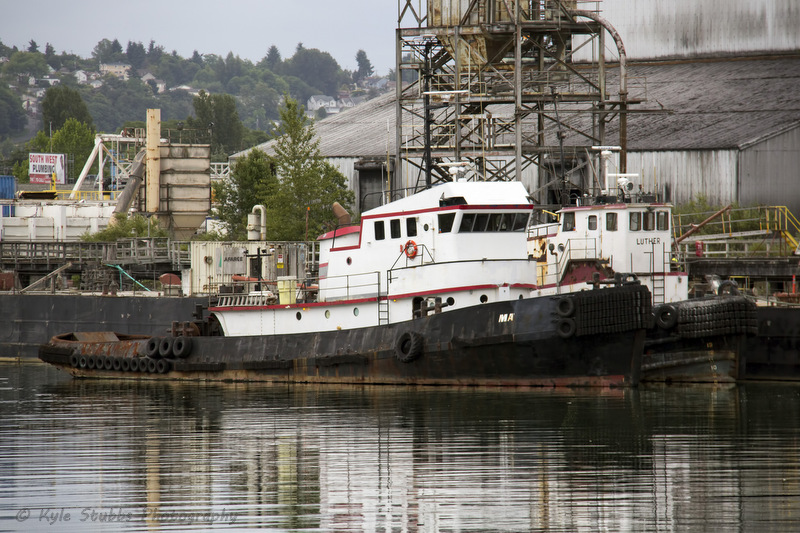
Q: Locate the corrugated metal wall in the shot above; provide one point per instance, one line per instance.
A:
(658, 28)
(684, 175)
(769, 172)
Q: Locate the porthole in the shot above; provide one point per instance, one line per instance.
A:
(349, 260)
(327, 313)
(355, 311)
(484, 298)
(450, 301)
(298, 315)
(426, 227)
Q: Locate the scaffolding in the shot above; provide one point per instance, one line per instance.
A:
(492, 89)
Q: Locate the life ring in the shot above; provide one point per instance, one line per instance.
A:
(408, 346)
(566, 328)
(410, 249)
(666, 316)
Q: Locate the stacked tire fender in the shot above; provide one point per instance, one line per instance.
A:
(157, 357)
(592, 312)
(708, 317)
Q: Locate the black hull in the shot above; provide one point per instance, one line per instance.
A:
(775, 354)
(593, 338)
(700, 341)
(28, 318)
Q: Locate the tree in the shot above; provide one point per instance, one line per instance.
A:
(60, 103)
(136, 54)
(106, 51)
(26, 64)
(252, 180)
(308, 184)
(32, 46)
(124, 227)
(273, 58)
(76, 139)
(217, 113)
(317, 69)
(365, 69)
(12, 116)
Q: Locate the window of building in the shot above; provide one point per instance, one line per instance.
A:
(635, 221)
(411, 226)
(592, 223)
(662, 220)
(380, 233)
(394, 228)
(611, 221)
(446, 222)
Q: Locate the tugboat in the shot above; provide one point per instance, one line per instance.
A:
(689, 340)
(434, 288)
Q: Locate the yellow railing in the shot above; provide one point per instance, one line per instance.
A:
(87, 195)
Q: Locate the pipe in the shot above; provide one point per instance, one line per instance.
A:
(125, 199)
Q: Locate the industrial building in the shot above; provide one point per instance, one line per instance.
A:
(712, 103)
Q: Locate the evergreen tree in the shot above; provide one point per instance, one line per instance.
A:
(61, 103)
(308, 184)
(273, 59)
(252, 180)
(365, 69)
(218, 114)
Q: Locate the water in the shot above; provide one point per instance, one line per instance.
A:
(80, 455)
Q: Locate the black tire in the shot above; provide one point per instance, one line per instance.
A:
(151, 365)
(91, 362)
(408, 346)
(162, 366)
(151, 347)
(75, 360)
(165, 346)
(116, 363)
(134, 364)
(728, 287)
(566, 328)
(125, 364)
(565, 306)
(108, 362)
(182, 347)
(666, 316)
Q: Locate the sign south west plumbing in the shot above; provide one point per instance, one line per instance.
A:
(42, 166)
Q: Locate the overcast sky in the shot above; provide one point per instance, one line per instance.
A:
(245, 27)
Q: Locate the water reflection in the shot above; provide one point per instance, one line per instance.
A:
(192, 456)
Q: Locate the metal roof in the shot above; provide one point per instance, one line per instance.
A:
(723, 103)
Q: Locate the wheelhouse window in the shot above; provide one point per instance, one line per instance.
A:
(394, 228)
(635, 221)
(446, 222)
(611, 222)
(520, 221)
(649, 221)
(380, 232)
(662, 220)
(490, 222)
(467, 220)
(411, 226)
(569, 222)
(592, 222)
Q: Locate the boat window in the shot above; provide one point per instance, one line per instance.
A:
(635, 221)
(411, 226)
(394, 228)
(480, 222)
(611, 221)
(569, 222)
(380, 233)
(446, 222)
(662, 220)
(455, 200)
(520, 222)
(495, 222)
(467, 219)
(649, 221)
(592, 222)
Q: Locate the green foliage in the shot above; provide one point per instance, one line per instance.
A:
(122, 227)
(12, 116)
(252, 180)
(308, 185)
(61, 103)
(108, 52)
(26, 64)
(364, 67)
(217, 113)
(317, 69)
